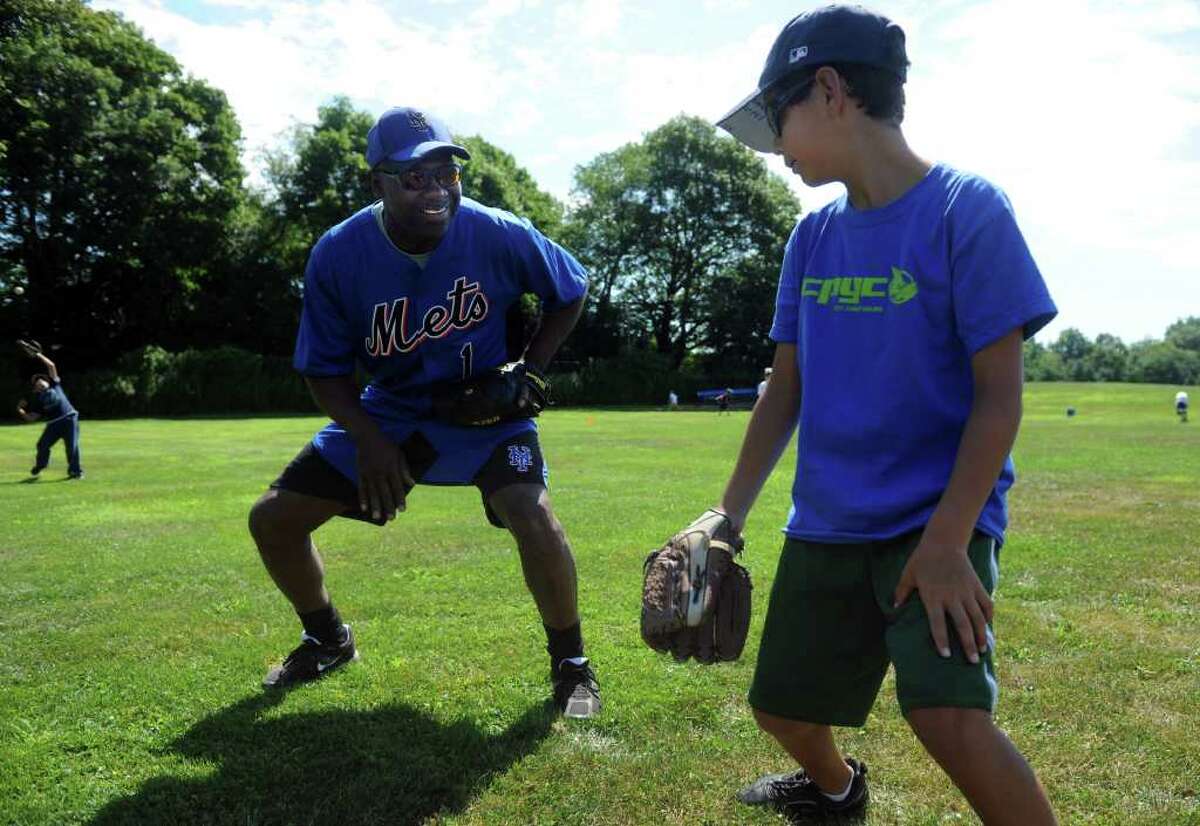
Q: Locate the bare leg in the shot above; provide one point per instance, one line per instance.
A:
(812, 746)
(282, 523)
(546, 559)
(984, 765)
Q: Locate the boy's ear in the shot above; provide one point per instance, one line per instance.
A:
(828, 84)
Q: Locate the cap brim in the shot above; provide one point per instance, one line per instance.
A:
(748, 123)
(415, 153)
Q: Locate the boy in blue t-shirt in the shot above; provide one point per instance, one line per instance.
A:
(899, 320)
(415, 288)
(50, 404)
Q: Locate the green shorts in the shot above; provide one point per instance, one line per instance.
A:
(831, 632)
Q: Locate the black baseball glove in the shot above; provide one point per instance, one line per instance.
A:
(514, 391)
(29, 347)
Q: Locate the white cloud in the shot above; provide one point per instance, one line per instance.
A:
(1085, 112)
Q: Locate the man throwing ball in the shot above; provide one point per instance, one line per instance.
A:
(50, 403)
(414, 288)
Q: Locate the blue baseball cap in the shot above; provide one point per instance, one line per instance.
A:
(831, 34)
(404, 135)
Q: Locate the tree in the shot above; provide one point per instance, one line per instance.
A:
(493, 177)
(680, 229)
(118, 176)
(1185, 334)
(1042, 363)
(1161, 362)
(1107, 359)
(1073, 348)
(321, 179)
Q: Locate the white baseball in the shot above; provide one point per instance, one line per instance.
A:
(18, 290)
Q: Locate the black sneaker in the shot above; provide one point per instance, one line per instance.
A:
(311, 660)
(34, 471)
(576, 692)
(78, 475)
(797, 797)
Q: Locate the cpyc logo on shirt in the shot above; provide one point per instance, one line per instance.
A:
(861, 294)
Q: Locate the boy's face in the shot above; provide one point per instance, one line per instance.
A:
(40, 385)
(811, 132)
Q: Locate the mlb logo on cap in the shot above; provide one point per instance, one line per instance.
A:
(830, 34)
(406, 135)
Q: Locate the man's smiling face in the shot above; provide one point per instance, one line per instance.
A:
(419, 199)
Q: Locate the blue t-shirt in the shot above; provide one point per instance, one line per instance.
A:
(886, 307)
(52, 403)
(412, 327)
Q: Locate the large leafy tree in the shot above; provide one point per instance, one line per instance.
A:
(321, 179)
(118, 177)
(684, 231)
(493, 177)
(1185, 334)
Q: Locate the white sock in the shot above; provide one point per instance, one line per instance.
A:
(838, 798)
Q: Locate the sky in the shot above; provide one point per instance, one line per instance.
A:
(1086, 112)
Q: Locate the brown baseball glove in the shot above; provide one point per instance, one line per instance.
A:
(695, 598)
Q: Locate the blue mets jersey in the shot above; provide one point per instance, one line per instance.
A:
(886, 307)
(413, 327)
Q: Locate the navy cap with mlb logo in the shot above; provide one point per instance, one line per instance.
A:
(405, 135)
(831, 34)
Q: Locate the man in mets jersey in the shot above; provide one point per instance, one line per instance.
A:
(414, 289)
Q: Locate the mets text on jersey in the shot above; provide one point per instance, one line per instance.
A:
(389, 322)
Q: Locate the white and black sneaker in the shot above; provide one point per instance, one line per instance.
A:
(576, 692)
(312, 660)
(796, 796)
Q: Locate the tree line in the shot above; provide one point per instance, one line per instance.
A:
(1073, 357)
(127, 223)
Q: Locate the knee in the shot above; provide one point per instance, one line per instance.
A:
(948, 728)
(534, 525)
(782, 727)
(267, 521)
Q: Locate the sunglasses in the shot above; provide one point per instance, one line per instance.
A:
(417, 179)
(776, 103)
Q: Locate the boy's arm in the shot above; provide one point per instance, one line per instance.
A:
(771, 426)
(939, 569)
(50, 368)
(25, 414)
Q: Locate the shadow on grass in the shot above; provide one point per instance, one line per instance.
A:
(393, 765)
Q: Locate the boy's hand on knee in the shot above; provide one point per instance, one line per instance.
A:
(947, 584)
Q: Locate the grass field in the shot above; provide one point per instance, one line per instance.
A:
(137, 622)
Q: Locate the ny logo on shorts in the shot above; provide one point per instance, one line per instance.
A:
(520, 457)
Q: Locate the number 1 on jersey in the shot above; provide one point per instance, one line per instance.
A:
(466, 354)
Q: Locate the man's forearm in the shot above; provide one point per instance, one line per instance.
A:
(555, 328)
(986, 442)
(338, 396)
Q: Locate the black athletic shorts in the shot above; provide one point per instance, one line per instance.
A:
(514, 461)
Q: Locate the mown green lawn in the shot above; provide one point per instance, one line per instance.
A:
(137, 622)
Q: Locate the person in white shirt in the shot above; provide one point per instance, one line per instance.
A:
(1181, 405)
(762, 385)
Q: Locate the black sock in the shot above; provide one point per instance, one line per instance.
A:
(564, 643)
(324, 624)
